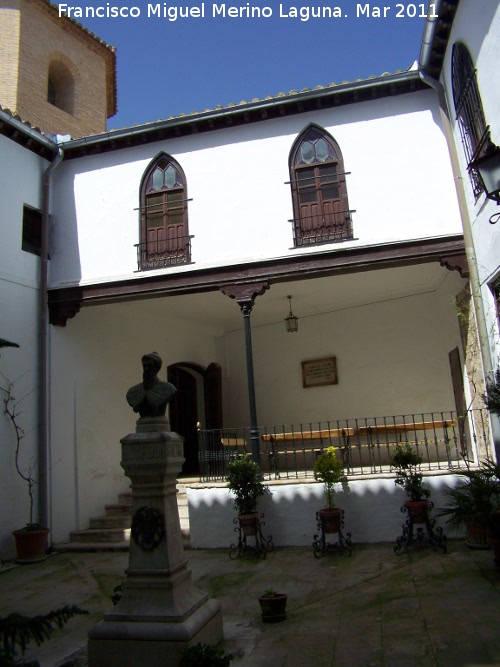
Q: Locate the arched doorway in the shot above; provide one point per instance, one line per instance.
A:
(198, 399)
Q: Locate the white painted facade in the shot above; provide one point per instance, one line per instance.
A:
(480, 33)
(241, 200)
(390, 327)
(19, 299)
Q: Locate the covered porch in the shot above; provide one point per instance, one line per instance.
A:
(390, 323)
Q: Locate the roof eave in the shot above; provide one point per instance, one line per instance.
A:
(276, 107)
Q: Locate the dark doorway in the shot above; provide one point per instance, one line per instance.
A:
(198, 399)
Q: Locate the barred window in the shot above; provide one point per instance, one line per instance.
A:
(164, 236)
(320, 204)
(469, 111)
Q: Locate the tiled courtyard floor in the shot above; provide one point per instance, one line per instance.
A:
(372, 609)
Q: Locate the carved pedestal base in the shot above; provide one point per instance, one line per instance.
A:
(161, 613)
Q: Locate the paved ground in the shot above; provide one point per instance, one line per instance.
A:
(372, 609)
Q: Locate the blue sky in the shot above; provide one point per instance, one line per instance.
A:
(171, 67)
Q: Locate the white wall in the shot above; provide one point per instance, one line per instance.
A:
(94, 361)
(392, 358)
(480, 32)
(19, 279)
(371, 506)
(241, 203)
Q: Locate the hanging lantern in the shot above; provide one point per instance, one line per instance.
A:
(292, 322)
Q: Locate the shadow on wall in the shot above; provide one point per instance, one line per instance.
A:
(372, 512)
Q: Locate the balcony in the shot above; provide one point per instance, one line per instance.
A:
(162, 253)
(446, 441)
(323, 227)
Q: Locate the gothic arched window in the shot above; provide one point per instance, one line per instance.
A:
(164, 230)
(320, 205)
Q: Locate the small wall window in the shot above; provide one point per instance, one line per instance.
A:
(469, 110)
(320, 204)
(164, 234)
(61, 87)
(32, 230)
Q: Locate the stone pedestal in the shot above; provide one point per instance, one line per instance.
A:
(161, 612)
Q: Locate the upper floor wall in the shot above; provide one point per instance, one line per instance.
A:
(477, 34)
(237, 184)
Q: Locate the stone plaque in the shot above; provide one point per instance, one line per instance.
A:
(319, 372)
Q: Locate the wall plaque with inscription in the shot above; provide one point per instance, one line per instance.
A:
(319, 372)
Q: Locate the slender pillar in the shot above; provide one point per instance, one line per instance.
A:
(245, 295)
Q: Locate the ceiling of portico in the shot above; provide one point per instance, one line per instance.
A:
(310, 297)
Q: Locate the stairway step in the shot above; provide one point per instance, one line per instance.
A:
(100, 535)
(125, 498)
(110, 521)
(118, 509)
(85, 547)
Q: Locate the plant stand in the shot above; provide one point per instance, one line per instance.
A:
(425, 534)
(321, 546)
(261, 545)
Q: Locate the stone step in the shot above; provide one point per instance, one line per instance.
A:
(118, 509)
(111, 532)
(100, 535)
(111, 521)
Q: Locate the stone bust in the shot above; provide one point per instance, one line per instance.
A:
(151, 397)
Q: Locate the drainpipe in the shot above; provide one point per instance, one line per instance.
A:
(43, 459)
(477, 300)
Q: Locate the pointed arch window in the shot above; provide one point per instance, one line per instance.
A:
(320, 205)
(165, 239)
(469, 111)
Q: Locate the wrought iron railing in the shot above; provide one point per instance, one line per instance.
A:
(324, 227)
(163, 252)
(445, 440)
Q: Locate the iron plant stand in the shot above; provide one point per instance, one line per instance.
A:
(342, 546)
(430, 536)
(261, 544)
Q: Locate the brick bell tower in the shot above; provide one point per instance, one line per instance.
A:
(54, 73)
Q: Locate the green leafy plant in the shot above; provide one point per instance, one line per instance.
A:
(269, 593)
(246, 481)
(17, 631)
(329, 470)
(205, 655)
(406, 463)
(476, 500)
(492, 396)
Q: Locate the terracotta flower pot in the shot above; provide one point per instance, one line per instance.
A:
(330, 519)
(494, 542)
(249, 523)
(476, 536)
(273, 608)
(31, 545)
(418, 510)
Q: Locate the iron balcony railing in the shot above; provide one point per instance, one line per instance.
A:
(323, 227)
(445, 440)
(163, 252)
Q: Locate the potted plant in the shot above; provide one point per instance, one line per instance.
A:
(406, 463)
(329, 470)
(31, 541)
(246, 481)
(17, 631)
(471, 504)
(273, 606)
